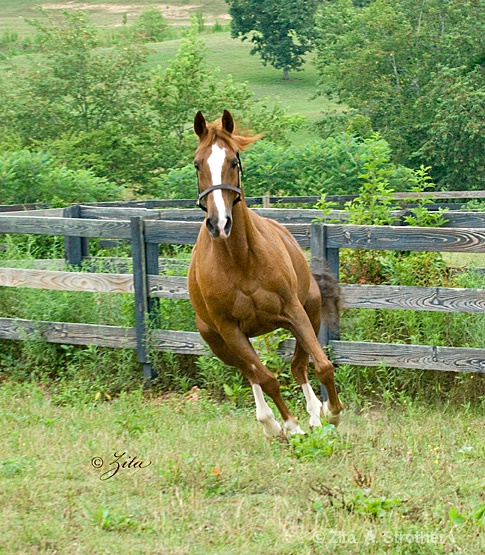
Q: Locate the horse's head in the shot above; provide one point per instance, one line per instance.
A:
(219, 171)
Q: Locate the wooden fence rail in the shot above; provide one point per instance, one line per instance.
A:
(146, 229)
(265, 200)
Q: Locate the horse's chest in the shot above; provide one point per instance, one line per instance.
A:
(258, 303)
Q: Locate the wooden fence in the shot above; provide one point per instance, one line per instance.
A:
(146, 229)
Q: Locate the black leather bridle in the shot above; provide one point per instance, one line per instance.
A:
(221, 186)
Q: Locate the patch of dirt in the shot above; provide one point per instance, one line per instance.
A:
(168, 11)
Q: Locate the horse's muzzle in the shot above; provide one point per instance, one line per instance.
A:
(219, 228)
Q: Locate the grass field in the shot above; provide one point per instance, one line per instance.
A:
(401, 480)
(233, 57)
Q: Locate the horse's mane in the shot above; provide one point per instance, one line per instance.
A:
(235, 142)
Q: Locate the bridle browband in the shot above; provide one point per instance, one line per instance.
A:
(221, 186)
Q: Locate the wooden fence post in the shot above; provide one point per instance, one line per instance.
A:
(75, 248)
(321, 254)
(142, 293)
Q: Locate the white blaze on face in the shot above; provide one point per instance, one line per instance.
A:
(216, 162)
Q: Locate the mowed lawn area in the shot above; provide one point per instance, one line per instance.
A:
(232, 57)
(186, 475)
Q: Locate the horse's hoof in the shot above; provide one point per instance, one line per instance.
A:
(315, 422)
(282, 437)
(272, 429)
(293, 428)
(330, 417)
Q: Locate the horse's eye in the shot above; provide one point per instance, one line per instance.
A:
(196, 165)
(234, 163)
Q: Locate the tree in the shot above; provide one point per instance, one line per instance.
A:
(281, 30)
(150, 26)
(391, 61)
(72, 87)
(190, 84)
(102, 111)
(455, 127)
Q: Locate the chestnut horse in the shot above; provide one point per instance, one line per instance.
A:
(248, 276)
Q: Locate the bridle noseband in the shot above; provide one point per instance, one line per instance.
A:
(221, 186)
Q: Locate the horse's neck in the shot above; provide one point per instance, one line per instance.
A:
(244, 236)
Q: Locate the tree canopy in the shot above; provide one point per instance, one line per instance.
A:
(281, 30)
(417, 69)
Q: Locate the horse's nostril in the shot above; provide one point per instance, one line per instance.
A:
(211, 224)
(228, 226)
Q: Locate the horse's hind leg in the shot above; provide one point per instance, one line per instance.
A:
(299, 363)
(299, 368)
(305, 326)
(235, 349)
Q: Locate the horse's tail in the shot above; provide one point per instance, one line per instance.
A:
(332, 301)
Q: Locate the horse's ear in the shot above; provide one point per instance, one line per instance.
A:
(227, 122)
(200, 126)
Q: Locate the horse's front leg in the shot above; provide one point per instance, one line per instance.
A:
(235, 349)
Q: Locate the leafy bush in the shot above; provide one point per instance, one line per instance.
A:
(334, 165)
(28, 177)
(150, 26)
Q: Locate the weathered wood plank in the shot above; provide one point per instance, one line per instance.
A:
(421, 357)
(185, 233)
(475, 220)
(251, 201)
(168, 287)
(343, 352)
(440, 194)
(120, 213)
(66, 281)
(68, 333)
(405, 238)
(172, 232)
(437, 299)
(69, 227)
(180, 342)
(282, 215)
(45, 213)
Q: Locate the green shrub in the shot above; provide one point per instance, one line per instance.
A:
(28, 177)
(334, 165)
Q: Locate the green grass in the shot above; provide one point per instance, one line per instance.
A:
(395, 481)
(233, 57)
(462, 259)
